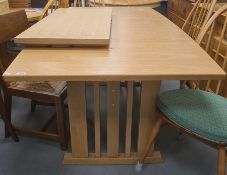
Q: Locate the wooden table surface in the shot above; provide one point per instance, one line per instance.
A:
(127, 2)
(70, 26)
(144, 45)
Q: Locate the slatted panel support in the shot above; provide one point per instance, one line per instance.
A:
(97, 119)
(78, 123)
(77, 118)
(129, 119)
(113, 102)
(149, 94)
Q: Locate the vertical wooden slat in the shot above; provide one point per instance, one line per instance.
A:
(97, 119)
(149, 94)
(193, 17)
(221, 39)
(224, 90)
(113, 102)
(204, 11)
(129, 119)
(196, 24)
(223, 67)
(209, 38)
(77, 117)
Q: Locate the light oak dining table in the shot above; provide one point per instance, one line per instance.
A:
(144, 46)
(151, 3)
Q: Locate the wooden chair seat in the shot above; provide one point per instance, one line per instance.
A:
(49, 87)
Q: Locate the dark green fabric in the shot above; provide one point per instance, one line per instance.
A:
(199, 112)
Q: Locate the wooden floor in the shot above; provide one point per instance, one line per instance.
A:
(127, 2)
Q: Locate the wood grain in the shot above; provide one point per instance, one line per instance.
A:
(10, 27)
(19, 3)
(75, 26)
(128, 132)
(105, 160)
(33, 15)
(138, 51)
(77, 118)
(221, 161)
(149, 94)
(4, 5)
(113, 105)
(97, 118)
(126, 2)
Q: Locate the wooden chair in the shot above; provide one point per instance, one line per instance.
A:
(197, 18)
(4, 5)
(49, 8)
(8, 125)
(199, 15)
(201, 114)
(51, 93)
(53, 5)
(19, 3)
(78, 3)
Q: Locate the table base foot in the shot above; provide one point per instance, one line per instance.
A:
(104, 160)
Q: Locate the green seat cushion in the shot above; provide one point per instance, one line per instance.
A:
(199, 112)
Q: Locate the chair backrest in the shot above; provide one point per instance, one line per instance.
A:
(213, 39)
(96, 3)
(76, 3)
(19, 3)
(12, 24)
(4, 5)
(197, 18)
(53, 5)
(50, 6)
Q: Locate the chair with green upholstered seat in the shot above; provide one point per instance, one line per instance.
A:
(200, 113)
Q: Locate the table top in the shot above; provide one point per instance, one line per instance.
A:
(127, 2)
(144, 45)
(70, 26)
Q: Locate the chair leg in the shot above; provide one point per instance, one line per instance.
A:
(33, 106)
(179, 136)
(6, 116)
(9, 128)
(61, 123)
(153, 134)
(182, 84)
(8, 105)
(221, 161)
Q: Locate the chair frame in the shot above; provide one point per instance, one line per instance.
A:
(193, 33)
(10, 30)
(161, 118)
(8, 126)
(57, 101)
(203, 8)
(53, 5)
